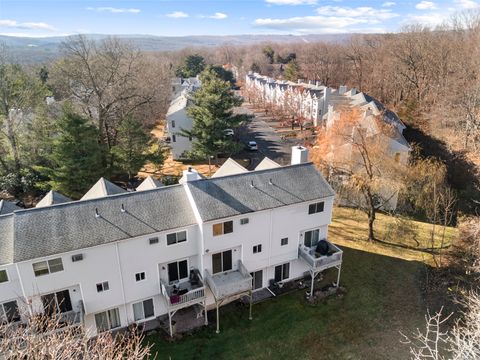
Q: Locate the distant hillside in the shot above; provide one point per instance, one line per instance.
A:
(34, 50)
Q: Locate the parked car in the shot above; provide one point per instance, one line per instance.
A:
(228, 132)
(252, 146)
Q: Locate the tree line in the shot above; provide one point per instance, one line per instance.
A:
(107, 96)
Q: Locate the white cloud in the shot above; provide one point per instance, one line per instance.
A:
(26, 25)
(363, 12)
(432, 19)
(468, 4)
(115, 10)
(389, 4)
(177, 15)
(426, 5)
(332, 19)
(218, 16)
(292, 2)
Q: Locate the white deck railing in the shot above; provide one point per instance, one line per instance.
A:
(321, 262)
(229, 283)
(191, 297)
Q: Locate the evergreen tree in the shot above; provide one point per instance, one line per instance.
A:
(225, 75)
(292, 71)
(76, 155)
(212, 113)
(255, 68)
(134, 148)
(192, 66)
(269, 54)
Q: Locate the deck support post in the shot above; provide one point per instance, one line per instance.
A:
(218, 318)
(250, 311)
(170, 323)
(205, 312)
(313, 283)
(338, 276)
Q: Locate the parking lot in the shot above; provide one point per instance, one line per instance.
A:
(269, 140)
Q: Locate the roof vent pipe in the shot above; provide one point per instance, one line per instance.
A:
(270, 182)
(251, 184)
(97, 215)
(123, 209)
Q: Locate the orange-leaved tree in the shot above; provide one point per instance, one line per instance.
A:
(354, 151)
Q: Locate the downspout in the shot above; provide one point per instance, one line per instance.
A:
(23, 289)
(121, 282)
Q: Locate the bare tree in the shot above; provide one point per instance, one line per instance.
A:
(109, 80)
(437, 342)
(51, 337)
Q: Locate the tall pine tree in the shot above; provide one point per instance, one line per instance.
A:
(135, 148)
(76, 155)
(212, 113)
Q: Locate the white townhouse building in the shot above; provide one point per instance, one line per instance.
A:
(309, 100)
(177, 118)
(118, 258)
(322, 106)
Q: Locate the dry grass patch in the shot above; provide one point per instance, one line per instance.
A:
(350, 228)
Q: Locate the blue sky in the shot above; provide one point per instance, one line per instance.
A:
(220, 17)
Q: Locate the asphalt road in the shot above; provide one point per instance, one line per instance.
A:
(269, 142)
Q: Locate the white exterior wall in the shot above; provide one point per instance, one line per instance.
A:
(267, 228)
(118, 262)
(12, 289)
(182, 143)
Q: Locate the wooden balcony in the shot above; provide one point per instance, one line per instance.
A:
(229, 283)
(184, 294)
(319, 262)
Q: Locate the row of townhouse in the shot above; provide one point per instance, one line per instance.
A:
(177, 118)
(309, 100)
(115, 258)
(322, 106)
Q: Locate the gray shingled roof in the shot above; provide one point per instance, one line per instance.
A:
(34, 233)
(66, 227)
(6, 239)
(7, 207)
(233, 195)
(52, 198)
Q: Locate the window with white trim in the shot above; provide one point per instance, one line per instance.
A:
(257, 248)
(57, 302)
(176, 238)
(316, 208)
(47, 267)
(3, 276)
(284, 241)
(103, 286)
(107, 320)
(282, 272)
(222, 228)
(140, 276)
(311, 237)
(143, 310)
(222, 261)
(9, 312)
(177, 271)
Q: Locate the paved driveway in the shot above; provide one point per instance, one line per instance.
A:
(269, 142)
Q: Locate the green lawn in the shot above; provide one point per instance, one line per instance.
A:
(383, 297)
